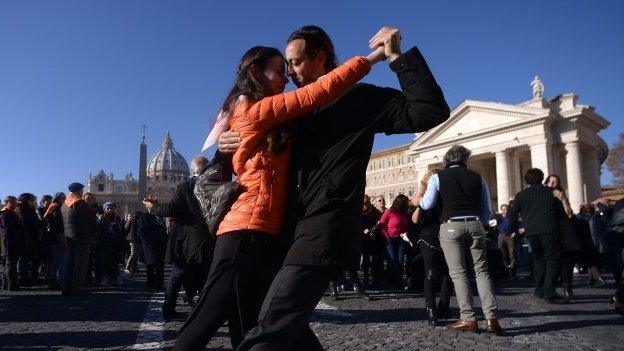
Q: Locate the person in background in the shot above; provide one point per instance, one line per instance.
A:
(394, 223)
(190, 244)
(437, 278)
(28, 264)
(43, 251)
(372, 245)
(79, 226)
(507, 240)
(97, 211)
(601, 214)
(380, 204)
(109, 245)
(133, 241)
(153, 236)
(591, 254)
(53, 222)
(541, 213)
(465, 200)
(13, 242)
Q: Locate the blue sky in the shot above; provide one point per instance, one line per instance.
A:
(78, 78)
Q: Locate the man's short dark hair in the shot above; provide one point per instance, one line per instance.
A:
(534, 175)
(9, 199)
(316, 40)
(456, 154)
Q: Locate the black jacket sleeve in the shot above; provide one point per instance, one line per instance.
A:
(175, 208)
(420, 105)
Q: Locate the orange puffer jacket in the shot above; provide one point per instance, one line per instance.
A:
(263, 176)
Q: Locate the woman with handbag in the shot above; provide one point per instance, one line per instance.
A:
(245, 260)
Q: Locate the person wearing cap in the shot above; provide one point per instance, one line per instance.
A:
(109, 245)
(80, 227)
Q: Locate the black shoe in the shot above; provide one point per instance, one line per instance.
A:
(443, 312)
(558, 300)
(431, 317)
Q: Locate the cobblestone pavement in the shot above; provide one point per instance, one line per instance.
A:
(129, 318)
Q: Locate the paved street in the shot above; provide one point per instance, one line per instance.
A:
(130, 318)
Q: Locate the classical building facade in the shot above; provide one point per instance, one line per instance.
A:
(559, 136)
(158, 178)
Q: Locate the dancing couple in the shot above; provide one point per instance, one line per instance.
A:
(300, 158)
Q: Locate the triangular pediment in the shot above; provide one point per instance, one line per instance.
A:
(472, 117)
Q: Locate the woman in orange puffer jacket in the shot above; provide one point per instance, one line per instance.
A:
(245, 258)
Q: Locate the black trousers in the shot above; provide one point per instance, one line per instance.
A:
(436, 276)
(546, 251)
(243, 266)
(155, 275)
(9, 281)
(284, 321)
(191, 276)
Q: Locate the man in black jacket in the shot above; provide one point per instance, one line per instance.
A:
(80, 226)
(28, 262)
(541, 213)
(192, 255)
(331, 150)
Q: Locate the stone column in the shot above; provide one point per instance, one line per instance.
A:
(516, 185)
(541, 157)
(503, 179)
(574, 175)
(591, 174)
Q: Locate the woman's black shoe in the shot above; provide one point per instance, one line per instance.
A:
(443, 312)
(431, 317)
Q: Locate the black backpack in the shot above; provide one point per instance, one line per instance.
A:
(215, 196)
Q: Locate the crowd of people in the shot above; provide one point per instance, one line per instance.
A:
(70, 241)
(300, 221)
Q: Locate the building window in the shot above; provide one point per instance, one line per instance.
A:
(100, 187)
(410, 192)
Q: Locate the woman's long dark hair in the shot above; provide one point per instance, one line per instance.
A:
(248, 84)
